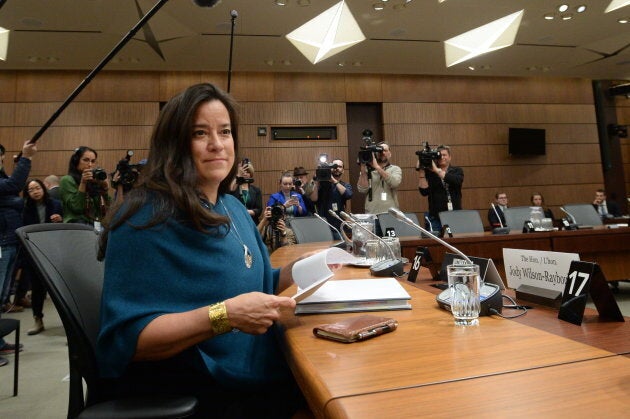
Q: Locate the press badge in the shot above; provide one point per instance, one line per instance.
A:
(334, 206)
(383, 196)
(449, 206)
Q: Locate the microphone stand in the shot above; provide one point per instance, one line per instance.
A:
(94, 72)
(502, 229)
(389, 267)
(342, 243)
(402, 217)
(234, 15)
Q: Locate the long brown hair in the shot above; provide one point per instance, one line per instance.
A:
(169, 178)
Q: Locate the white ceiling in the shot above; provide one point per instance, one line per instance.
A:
(78, 34)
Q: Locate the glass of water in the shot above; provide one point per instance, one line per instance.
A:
(394, 244)
(464, 282)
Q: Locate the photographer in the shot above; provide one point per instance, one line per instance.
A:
(84, 190)
(305, 187)
(332, 194)
(273, 230)
(245, 191)
(379, 179)
(293, 203)
(125, 176)
(442, 183)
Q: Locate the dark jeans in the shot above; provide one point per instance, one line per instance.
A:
(38, 291)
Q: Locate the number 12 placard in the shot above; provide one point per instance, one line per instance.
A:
(585, 278)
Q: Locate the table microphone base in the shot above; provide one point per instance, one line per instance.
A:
(501, 230)
(390, 267)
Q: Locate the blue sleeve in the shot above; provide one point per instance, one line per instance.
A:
(15, 183)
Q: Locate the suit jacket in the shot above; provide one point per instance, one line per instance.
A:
(492, 217)
(612, 207)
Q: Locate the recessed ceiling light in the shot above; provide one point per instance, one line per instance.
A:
(269, 62)
(32, 59)
(304, 3)
(563, 8)
(378, 6)
(624, 20)
(357, 63)
(581, 8)
(341, 64)
(471, 67)
(286, 62)
(567, 16)
(550, 16)
(281, 2)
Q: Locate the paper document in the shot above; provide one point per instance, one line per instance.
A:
(312, 272)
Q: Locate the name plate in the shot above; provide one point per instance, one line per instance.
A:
(537, 268)
(487, 269)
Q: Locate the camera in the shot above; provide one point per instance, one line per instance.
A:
(99, 174)
(323, 172)
(277, 214)
(427, 155)
(297, 183)
(370, 148)
(128, 173)
(240, 179)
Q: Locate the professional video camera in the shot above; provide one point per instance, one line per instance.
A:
(240, 179)
(277, 214)
(323, 173)
(427, 155)
(127, 172)
(369, 149)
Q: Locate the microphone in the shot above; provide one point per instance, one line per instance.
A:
(402, 217)
(234, 14)
(389, 267)
(499, 230)
(341, 244)
(572, 223)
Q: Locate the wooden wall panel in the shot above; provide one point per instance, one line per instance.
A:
(88, 113)
(451, 113)
(364, 88)
(7, 114)
(293, 113)
(7, 86)
(253, 87)
(314, 87)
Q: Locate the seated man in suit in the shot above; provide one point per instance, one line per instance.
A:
(606, 209)
(500, 204)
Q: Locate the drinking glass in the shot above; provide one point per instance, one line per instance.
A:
(464, 282)
(375, 251)
(394, 244)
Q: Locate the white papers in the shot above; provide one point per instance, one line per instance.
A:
(312, 272)
(355, 290)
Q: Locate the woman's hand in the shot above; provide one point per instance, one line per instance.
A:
(255, 312)
(87, 176)
(56, 218)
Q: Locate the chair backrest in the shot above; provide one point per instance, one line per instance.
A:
(310, 229)
(462, 221)
(386, 220)
(515, 217)
(64, 256)
(584, 214)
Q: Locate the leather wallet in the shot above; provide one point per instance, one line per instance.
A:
(355, 329)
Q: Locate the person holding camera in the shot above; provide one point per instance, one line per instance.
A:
(332, 194)
(84, 190)
(246, 192)
(293, 202)
(305, 187)
(441, 183)
(380, 180)
(273, 229)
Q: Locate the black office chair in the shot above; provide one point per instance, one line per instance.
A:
(7, 326)
(515, 217)
(310, 229)
(584, 214)
(462, 221)
(388, 221)
(64, 256)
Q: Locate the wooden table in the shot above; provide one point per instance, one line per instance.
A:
(610, 248)
(428, 358)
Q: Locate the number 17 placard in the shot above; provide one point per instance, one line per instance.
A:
(585, 278)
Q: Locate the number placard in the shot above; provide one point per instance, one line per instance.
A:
(586, 278)
(390, 232)
(422, 255)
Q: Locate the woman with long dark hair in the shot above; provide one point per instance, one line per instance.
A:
(39, 208)
(84, 190)
(189, 300)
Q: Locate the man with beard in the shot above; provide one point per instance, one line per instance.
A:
(332, 195)
(380, 180)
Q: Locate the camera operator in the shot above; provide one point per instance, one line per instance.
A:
(442, 183)
(245, 191)
(84, 190)
(305, 187)
(379, 179)
(273, 230)
(126, 175)
(332, 194)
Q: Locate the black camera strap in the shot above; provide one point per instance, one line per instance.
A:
(448, 192)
